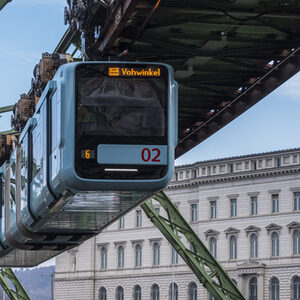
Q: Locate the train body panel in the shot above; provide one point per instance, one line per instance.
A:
(67, 180)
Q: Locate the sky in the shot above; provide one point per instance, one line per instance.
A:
(30, 27)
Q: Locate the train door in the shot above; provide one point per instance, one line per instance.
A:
(55, 129)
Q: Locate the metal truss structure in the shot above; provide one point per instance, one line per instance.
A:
(227, 55)
(3, 3)
(11, 285)
(208, 271)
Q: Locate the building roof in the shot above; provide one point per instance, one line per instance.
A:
(239, 157)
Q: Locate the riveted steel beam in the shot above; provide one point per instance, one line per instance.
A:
(71, 36)
(246, 99)
(6, 108)
(115, 24)
(11, 285)
(208, 271)
(3, 3)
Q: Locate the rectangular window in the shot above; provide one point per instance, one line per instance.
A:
(157, 210)
(297, 201)
(194, 212)
(122, 223)
(37, 154)
(139, 218)
(233, 207)
(174, 257)
(278, 162)
(103, 258)
(194, 173)
(213, 209)
(253, 205)
(275, 203)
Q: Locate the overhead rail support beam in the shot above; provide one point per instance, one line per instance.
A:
(71, 36)
(209, 272)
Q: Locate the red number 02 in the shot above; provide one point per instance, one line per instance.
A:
(146, 155)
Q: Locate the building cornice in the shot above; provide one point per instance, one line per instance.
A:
(240, 158)
(231, 230)
(273, 227)
(252, 229)
(233, 177)
(293, 225)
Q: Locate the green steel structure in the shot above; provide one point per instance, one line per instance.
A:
(3, 3)
(11, 285)
(209, 272)
(5, 109)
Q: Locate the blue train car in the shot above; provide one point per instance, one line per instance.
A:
(25, 248)
(102, 139)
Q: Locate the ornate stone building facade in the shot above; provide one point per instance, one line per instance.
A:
(245, 209)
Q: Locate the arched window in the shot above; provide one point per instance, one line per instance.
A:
(173, 291)
(296, 288)
(233, 247)
(274, 288)
(137, 294)
(155, 292)
(120, 257)
(156, 254)
(103, 258)
(253, 245)
(275, 243)
(138, 255)
(174, 256)
(253, 288)
(192, 291)
(119, 293)
(296, 242)
(102, 293)
(213, 246)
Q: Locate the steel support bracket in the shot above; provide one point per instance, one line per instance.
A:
(209, 272)
(3, 3)
(16, 293)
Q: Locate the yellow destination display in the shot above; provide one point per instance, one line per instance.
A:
(132, 72)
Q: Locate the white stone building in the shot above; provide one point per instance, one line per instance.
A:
(245, 209)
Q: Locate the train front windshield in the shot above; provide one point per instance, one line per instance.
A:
(124, 109)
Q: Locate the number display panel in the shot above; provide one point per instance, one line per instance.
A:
(122, 104)
(133, 154)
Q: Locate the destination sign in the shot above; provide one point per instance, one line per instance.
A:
(134, 72)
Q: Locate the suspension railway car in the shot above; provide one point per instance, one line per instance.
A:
(101, 140)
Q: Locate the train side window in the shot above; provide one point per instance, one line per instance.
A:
(1, 197)
(36, 153)
(55, 120)
(24, 172)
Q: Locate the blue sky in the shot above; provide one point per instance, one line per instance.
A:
(30, 27)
